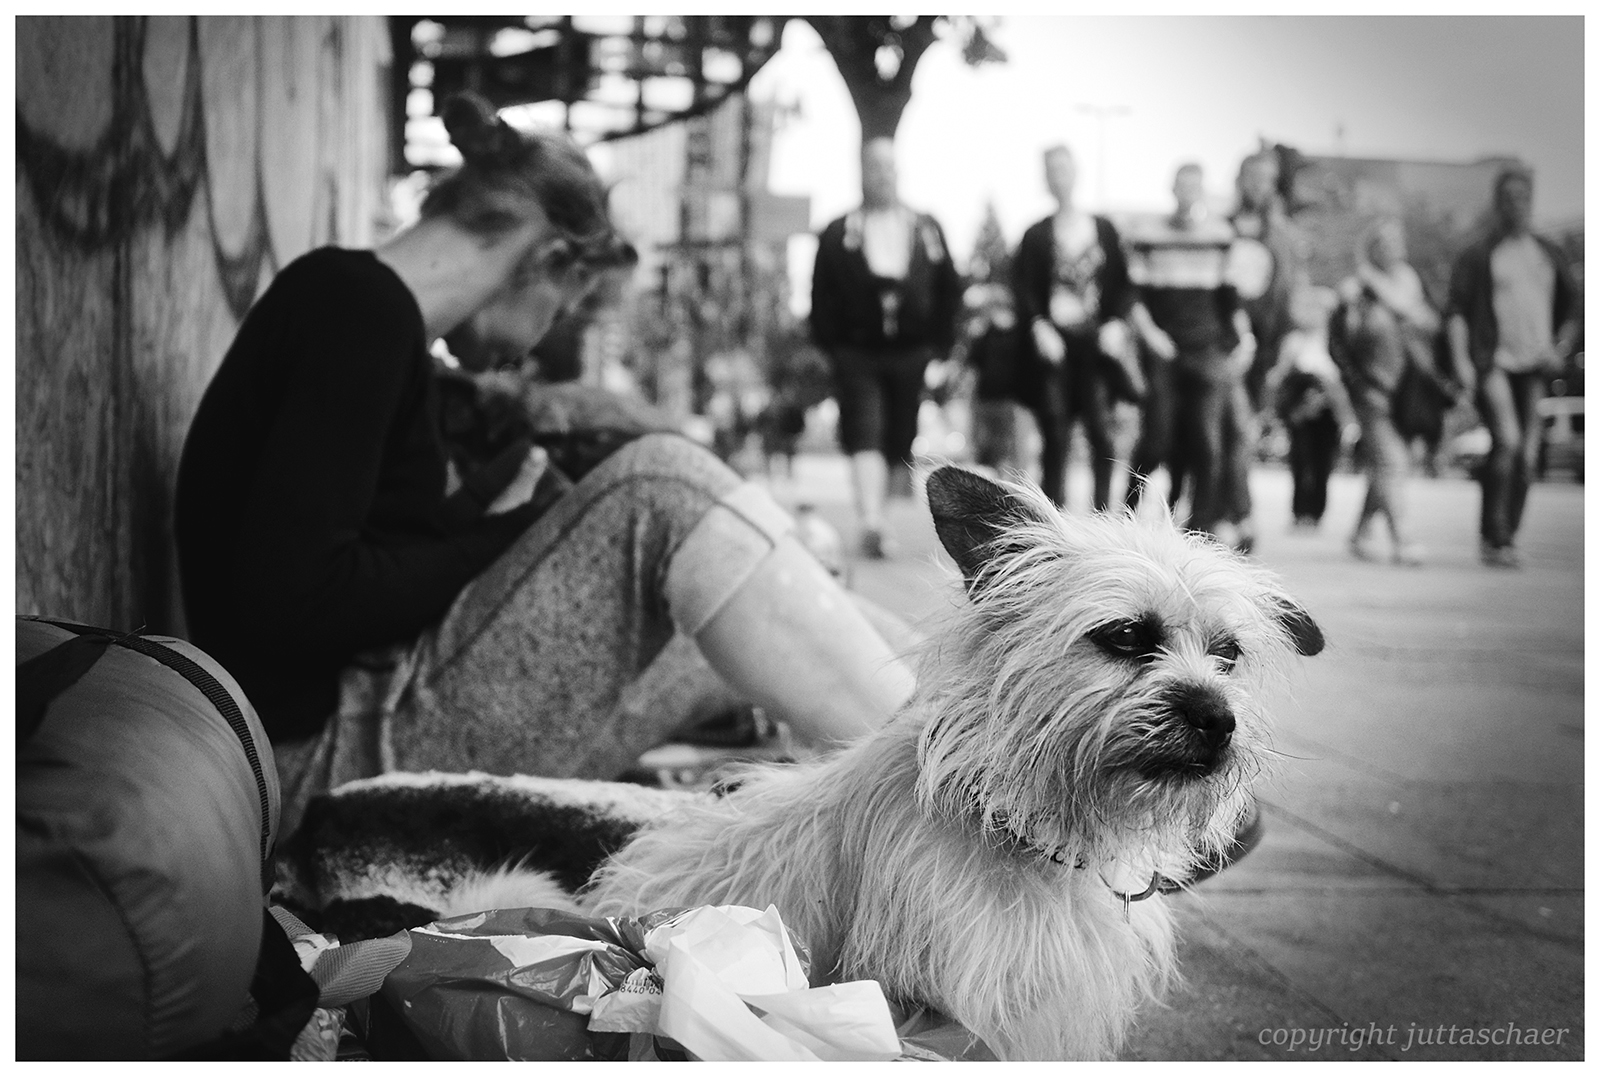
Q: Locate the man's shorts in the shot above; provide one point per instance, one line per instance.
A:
(879, 392)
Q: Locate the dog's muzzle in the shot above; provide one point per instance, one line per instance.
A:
(1197, 737)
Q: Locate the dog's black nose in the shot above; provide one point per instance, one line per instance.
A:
(1206, 710)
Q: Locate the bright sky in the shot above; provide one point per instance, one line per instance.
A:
(1203, 88)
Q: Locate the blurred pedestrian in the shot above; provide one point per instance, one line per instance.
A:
(994, 355)
(1267, 265)
(1189, 316)
(1073, 294)
(884, 301)
(799, 377)
(1308, 394)
(1512, 324)
(1386, 326)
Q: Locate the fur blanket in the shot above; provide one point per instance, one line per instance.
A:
(376, 856)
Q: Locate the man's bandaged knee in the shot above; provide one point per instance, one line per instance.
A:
(721, 552)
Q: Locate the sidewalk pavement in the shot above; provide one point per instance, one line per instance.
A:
(1419, 891)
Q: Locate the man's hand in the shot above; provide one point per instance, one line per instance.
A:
(567, 407)
(1115, 340)
(1161, 343)
(521, 487)
(1243, 354)
(1048, 342)
(1155, 338)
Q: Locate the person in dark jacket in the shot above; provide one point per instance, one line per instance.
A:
(1073, 296)
(326, 541)
(884, 302)
(1511, 324)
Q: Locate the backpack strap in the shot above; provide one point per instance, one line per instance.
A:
(42, 678)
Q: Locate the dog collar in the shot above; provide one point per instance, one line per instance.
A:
(1009, 836)
(1150, 891)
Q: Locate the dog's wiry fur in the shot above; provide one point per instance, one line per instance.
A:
(1090, 717)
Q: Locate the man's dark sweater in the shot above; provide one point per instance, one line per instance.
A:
(847, 297)
(1180, 268)
(312, 522)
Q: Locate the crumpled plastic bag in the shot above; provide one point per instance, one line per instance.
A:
(929, 1036)
(515, 984)
(734, 990)
(715, 983)
(343, 975)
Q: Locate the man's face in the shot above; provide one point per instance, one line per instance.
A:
(1258, 179)
(1388, 247)
(1188, 188)
(506, 328)
(879, 183)
(1060, 174)
(1515, 204)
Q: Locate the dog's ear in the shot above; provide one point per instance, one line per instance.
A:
(1302, 630)
(971, 515)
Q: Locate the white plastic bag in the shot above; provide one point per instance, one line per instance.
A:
(733, 989)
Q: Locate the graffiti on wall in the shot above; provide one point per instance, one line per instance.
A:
(150, 159)
(166, 168)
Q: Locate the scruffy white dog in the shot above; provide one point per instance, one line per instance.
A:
(1086, 726)
(1084, 729)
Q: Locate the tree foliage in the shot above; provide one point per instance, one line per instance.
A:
(878, 54)
(991, 257)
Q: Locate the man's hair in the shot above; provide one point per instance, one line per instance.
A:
(1188, 166)
(1374, 231)
(1261, 157)
(1058, 148)
(1507, 175)
(507, 174)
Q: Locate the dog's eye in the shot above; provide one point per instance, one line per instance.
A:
(1228, 651)
(1125, 638)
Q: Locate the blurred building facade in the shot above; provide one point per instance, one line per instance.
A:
(1443, 205)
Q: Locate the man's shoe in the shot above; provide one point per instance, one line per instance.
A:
(1411, 554)
(1361, 548)
(1500, 556)
(876, 546)
(1245, 543)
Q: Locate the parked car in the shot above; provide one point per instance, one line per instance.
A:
(1562, 448)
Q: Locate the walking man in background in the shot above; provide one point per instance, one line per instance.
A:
(884, 302)
(1073, 294)
(1511, 325)
(1189, 317)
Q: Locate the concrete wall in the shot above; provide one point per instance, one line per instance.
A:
(166, 168)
